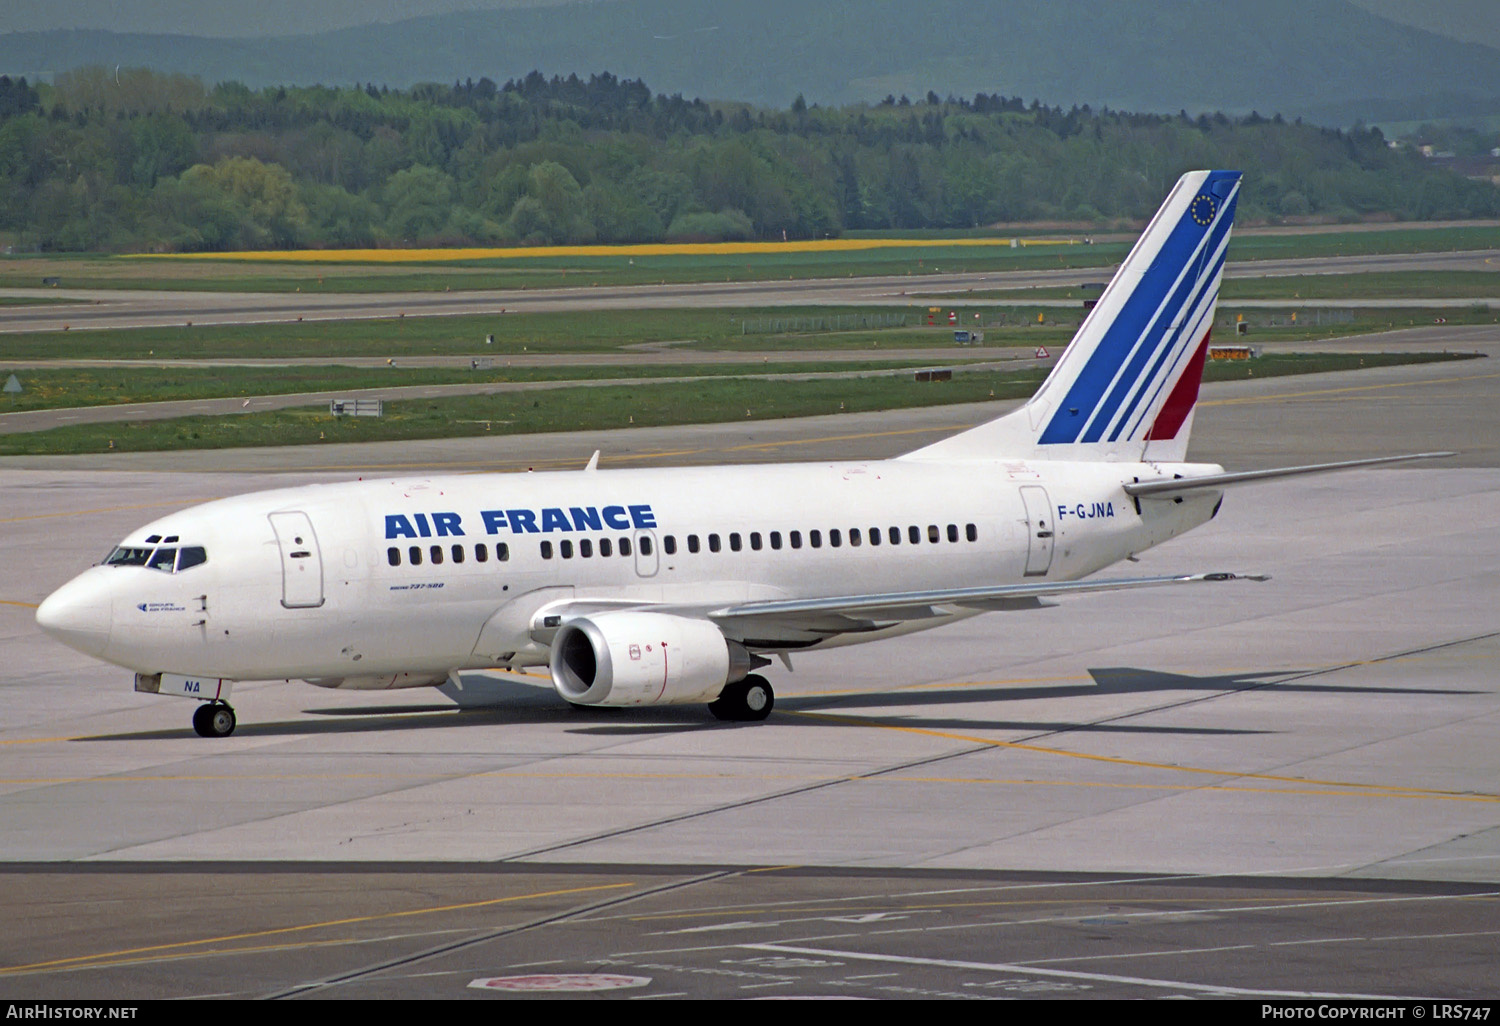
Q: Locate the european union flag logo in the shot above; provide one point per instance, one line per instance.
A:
(1203, 209)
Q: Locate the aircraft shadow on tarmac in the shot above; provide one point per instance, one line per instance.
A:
(1125, 680)
(489, 701)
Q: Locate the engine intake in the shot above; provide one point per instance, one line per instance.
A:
(640, 658)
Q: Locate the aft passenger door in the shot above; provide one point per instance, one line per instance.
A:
(301, 561)
(1039, 530)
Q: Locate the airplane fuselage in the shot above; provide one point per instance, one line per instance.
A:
(395, 583)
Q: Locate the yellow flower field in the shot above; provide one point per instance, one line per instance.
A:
(407, 256)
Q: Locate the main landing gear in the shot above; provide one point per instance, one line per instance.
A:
(745, 700)
(214, 719)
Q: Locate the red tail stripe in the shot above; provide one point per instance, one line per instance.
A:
(1180, 403)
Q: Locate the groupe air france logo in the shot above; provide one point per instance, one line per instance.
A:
(1203, 209)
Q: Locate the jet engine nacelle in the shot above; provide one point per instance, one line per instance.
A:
(640, 658)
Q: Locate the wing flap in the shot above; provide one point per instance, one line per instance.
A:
(867, 612)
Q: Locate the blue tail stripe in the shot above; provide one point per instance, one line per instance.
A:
(1147, 390)
(1133, 383)
(1131, 323)
(1151, 349)
(1173, 351)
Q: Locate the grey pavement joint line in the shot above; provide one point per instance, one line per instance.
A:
(350, 976)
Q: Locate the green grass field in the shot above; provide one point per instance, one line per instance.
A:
(1374, 285)
(593, 332)
(516, 333)
(605, 407)
(924, 256)
(66, 387)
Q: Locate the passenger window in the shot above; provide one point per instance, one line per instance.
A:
(458, 553)
(606, 547)
(566, 547)
(645, 545)
(874, 536)
(693, 545)
(481, 553)
(794, 538)
(163, 559)
(669, 544)
(624, 546)
(585, 548)
(914, 534)
(971, 532)
(815, 539)
(393, 556)
(734, 541)
(546, 550)
(953, 532)
(855, 538)
(835, 538)
(895, 535)
(755, 540)
(415, 555)
(193, 555)
(775, 539)
(437, 555)
(933, 535)
(502, 552)
(713, 543)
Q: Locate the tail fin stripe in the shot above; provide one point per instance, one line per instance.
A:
(1121, 390)
(1160, 341)
(1150, 386)
(1193, 327)
(1163, 289)
(1180, 403)
(1141, 307)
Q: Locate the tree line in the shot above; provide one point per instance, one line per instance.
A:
(135, 160)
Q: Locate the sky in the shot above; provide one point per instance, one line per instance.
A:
(1475, 21)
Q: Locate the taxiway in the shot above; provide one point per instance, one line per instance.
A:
(1285, 788)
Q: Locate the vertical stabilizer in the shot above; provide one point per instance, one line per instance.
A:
(1126, 386)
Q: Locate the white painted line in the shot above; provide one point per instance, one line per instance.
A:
(1135, 981)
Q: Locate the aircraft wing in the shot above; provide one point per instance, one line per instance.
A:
(808, 620)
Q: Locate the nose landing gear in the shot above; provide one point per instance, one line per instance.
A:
(214, 719)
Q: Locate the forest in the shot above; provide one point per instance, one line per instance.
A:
(139, 161)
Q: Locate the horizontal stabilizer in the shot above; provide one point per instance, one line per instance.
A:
(1181, 485)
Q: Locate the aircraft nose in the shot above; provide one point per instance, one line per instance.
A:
(78, 615)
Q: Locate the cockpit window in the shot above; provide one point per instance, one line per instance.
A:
(167, 559)
(127, 555)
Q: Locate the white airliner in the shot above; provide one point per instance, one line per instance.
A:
(648, 586)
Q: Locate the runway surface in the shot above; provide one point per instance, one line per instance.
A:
(1285, 788)
(121, 308)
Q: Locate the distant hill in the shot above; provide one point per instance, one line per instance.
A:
(1329, 61)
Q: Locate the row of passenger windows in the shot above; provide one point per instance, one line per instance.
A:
(585, 548)
(815, 539)
(435, 554)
